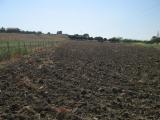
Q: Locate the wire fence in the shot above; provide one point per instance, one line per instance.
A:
(14, 48)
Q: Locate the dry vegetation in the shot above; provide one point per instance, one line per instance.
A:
(32, 37)
(83, 81)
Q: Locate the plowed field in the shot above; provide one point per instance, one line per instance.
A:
(83, 81)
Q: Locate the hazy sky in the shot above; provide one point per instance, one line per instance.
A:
(137, 19)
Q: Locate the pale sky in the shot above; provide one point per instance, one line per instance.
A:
(136, 19)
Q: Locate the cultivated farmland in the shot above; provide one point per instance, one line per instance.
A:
(83, 81)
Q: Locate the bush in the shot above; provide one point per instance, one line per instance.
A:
(115, 40)
(155, 40)
(2, 30)
(99, 39)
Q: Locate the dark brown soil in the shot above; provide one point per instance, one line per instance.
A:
(83, 81)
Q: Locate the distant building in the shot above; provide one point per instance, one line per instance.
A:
(59, 32)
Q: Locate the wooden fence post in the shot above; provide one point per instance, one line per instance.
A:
(25, 49)
(8, 49)
(19, 47)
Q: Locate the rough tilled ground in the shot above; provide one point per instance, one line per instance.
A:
(83, 81)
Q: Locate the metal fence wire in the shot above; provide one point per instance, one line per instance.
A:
(13, 48)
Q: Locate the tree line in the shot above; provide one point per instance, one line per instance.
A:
(17, 30)
(154, 39)
(86, 37)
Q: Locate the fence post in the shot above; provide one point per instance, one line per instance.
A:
(25, 49)
(38, 45)
(19, 47)
(43, 44)
(8, 49)
(30, 44)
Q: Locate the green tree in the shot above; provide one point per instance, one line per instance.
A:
(2, 30)
(115, 40)
(155, 39)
